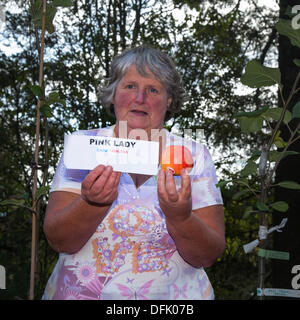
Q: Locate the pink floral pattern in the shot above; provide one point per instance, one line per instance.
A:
(131, 255)
(131, 294)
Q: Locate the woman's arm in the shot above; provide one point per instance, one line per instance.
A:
(199, 235)
(71, 219)
(200, 239)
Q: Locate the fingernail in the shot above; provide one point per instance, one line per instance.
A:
(170, 171)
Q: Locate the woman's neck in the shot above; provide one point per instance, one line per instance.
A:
(159, 135)
(121, 130)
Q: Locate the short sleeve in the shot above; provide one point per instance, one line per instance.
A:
(70, 179)
(67, 179)
(204, 190)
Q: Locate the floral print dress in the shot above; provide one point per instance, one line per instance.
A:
(131, 255)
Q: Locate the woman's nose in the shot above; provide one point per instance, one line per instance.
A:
(140, 96)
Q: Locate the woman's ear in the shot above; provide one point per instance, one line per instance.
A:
(169, 102)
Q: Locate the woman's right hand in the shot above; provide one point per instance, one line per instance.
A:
(100, 186)
(71, 219)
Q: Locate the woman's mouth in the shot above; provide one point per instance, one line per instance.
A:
(139, 113)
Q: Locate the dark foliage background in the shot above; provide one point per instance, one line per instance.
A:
(210, 42)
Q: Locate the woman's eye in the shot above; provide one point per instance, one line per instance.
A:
(153, 90)
(129, 86)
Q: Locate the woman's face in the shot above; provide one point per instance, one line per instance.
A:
(141, 101)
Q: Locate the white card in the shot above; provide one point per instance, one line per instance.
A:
(124, 155)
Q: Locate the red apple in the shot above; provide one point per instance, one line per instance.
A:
(176, 158)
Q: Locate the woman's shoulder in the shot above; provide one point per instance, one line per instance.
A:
(185, 140)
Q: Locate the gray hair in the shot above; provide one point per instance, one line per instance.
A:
(158, 63)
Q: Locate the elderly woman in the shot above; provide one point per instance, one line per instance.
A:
(131, 236)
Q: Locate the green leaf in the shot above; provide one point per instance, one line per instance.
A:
(289, 185)
(281, 206)
(257, 75)
(46, 110)
(50, 14)
(280, 143)
(285, 28)
(250, 124)
(35, 7)
(255, 155)
(252, 114)
(275, 113)
(37, 91)
(14, 202)
(239, 194)
(248, 211)
(287, 116)
(273, 155)
(222, 183)
(36, 16)
(61, 3)
(42, 191)
(261, 206)
(289, 12)
(242, 181)
(250, 168)
(296, 110)
(53, 97)
(297, 62)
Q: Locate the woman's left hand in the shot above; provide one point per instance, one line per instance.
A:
(175, 204)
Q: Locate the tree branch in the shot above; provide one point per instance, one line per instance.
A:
(266, 48)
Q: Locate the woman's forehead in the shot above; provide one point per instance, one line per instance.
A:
(133, 73)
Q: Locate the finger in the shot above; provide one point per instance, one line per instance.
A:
(90, 179)
(171, 186)
(102, 180)
(110, 182)
(161, 186)
(117, 180)
(110, 189)
(185, 184)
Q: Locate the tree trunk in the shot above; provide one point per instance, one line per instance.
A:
(288, 240)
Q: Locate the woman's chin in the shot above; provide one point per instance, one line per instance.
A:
(142, 129)
(140, 124)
